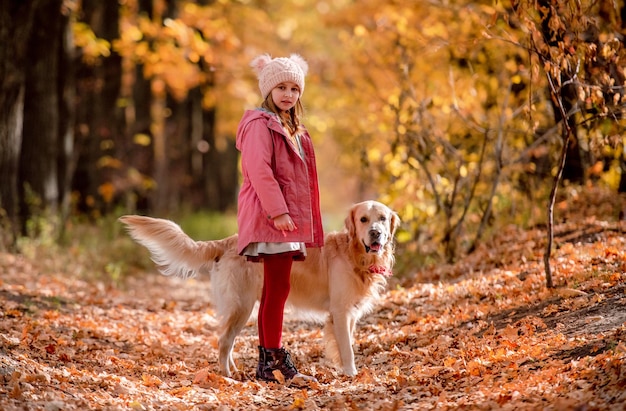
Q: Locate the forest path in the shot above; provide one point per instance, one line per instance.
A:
(484, 334)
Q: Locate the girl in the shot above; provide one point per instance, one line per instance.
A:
(278, 207)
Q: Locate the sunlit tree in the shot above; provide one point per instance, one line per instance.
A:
(458, 116)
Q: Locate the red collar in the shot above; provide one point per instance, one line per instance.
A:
(379, 269)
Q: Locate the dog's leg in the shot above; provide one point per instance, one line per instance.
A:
(330, 343)
(234, 289)
(342, 324)
(353, 321)
(231, 326)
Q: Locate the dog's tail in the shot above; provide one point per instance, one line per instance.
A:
(171, 249)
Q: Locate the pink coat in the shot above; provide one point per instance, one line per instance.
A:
(276, 180)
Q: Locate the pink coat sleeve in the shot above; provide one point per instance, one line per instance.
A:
(257, 149)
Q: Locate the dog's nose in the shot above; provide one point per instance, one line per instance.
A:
(375, 234)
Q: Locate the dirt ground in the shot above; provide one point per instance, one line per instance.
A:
(482, 334)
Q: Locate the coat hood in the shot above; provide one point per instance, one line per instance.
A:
(259, 114)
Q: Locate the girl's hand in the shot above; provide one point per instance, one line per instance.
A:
(284, 223)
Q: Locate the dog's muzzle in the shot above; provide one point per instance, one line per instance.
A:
(376, 241)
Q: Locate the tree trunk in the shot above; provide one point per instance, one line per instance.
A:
(158, 105)
(622, 181)
(220, 168)
(180, 148)
(67, 116)
(577, 158)
(161, 159)
(136, 153)
(16, 19)
(198, 147)
(97, 130)
(141, 156)
(38, 170)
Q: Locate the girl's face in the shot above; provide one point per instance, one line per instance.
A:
(286, 95)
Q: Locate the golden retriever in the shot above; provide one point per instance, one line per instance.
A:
(342, 280)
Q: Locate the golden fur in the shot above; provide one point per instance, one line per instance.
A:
(342, 279)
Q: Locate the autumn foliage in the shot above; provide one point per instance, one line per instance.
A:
(483, 333)
(458, 114)
(463, 109)
(454, 113)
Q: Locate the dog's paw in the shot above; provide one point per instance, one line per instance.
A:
(350, 371)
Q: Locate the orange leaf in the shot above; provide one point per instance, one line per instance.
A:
(279, 376)
(151, 380)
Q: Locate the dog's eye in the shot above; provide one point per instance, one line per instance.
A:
(364, 219)
(383, 218)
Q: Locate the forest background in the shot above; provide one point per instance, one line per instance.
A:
(450, 112)
(484, 124)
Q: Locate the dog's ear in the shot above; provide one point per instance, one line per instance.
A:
(395, 223)
(350, 226)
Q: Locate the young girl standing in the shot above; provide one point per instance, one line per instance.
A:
(278, 207)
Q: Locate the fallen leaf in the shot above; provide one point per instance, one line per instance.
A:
(151, 380)
(279, 376)
(570, 292)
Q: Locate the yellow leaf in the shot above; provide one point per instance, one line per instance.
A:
(108, 161)
(142, 139)
(463, 171)
(298, 403)
(136, 405)
(394, 100)
(373, 154)
(360, 30)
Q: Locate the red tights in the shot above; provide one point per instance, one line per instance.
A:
(276, 284)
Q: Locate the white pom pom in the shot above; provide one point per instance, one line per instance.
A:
(296, 58)
(259, 62)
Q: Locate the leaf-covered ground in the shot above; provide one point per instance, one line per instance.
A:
(482, 334)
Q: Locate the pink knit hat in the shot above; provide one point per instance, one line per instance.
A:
(272, 72)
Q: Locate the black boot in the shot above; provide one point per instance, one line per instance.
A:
(261, 366)
(278, 359)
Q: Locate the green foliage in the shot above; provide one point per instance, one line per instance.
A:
(204, 226)
(97, 250)
(6, 232)
(101, 250)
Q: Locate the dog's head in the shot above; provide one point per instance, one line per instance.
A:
(373, 225)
